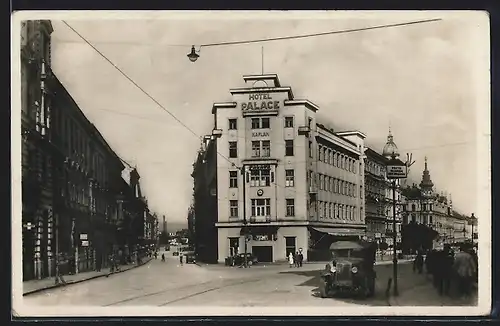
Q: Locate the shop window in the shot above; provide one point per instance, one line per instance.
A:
(290, 245)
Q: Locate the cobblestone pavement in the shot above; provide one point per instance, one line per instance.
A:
(170, 284)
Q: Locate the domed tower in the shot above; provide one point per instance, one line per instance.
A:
(390, 147)
(426, 184)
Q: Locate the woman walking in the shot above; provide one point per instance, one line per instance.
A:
(290, 259)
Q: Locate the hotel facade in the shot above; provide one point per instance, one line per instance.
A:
(283, 181)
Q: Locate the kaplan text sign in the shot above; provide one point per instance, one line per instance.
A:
(396, 171)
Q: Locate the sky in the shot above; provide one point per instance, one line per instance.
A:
(421, 80)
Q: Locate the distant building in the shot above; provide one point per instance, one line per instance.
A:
(424, 206)
(299, 183)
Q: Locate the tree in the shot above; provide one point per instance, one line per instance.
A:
(417, 237)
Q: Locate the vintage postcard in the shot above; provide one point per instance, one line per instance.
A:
(251, 163)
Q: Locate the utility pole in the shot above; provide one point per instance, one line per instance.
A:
(245, 233)
(394, 239)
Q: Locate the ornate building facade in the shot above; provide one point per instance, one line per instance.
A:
(423, 205)
(283, 181)
(71, 178)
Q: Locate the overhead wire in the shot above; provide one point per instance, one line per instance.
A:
(226, 43)
(321, 34)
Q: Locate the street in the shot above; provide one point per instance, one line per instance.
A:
(168, 283)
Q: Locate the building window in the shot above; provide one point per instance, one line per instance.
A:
(290, 207)
(260, 177)
(288, 122)
(233, 124)
(261, 207)
(330, 215)
(233, 208)
(255, 123)
(413, 207)
(233, 179)
(233, 149)
(320, 208)
(354, 167)
(265, 124)
(338, 160)
(256, 148)
(260, 123)
(288, 147)
(310, 149)
(320, 153)
(289, 178)
(266, 148)
(325, 210)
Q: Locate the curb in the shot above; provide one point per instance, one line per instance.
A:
(82, 280)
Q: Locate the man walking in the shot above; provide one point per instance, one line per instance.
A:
(465, 269)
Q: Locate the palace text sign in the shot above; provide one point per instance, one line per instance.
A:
(260, 102)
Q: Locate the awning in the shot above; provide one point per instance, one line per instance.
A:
(340, 231)
(260, 229)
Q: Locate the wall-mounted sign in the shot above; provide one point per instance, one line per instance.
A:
(260, 192)
(85, 243)
(260, 134)
(260, 102)
(83, 236)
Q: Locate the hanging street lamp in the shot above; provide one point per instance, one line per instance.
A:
(193, 56)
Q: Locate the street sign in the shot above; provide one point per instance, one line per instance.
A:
(83, 236)
(396, 169)
(85, 243)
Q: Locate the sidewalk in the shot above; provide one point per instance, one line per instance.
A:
(34, 286)
(427, 295)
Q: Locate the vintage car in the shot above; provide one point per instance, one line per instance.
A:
(240, 259)
(351, 270)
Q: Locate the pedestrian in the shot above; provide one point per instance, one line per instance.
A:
(181, 258)
(301, 258)
(163, 257)
(446, 271)
(156, 254)
(418, 263)
(290, 259)
(296, 259)
(465, 270)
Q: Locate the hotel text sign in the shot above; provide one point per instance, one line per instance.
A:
(260, 102)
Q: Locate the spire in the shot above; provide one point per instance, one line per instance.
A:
(426, 183)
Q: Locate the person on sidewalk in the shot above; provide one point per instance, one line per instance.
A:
(465, 269)
(301, 257)
(445, 271)
(418, 263)
(181, 257)
(290, 259)
(163, 257)
(156, 254)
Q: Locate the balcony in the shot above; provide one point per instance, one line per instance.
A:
(304, 130)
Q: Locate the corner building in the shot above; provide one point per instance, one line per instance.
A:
(295, 183)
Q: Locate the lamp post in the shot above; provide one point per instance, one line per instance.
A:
(245, 233)
(473, 219)
(396, 169)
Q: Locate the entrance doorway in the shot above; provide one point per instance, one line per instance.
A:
(291, 247)
(264, 254)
